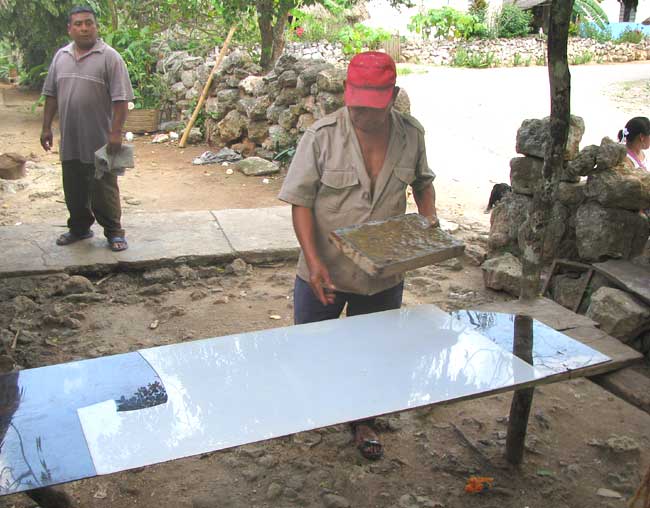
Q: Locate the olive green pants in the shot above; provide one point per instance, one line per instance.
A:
(89, 199)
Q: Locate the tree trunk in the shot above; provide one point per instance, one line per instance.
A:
(113, 10)
(265, 23)
(279, 37)
(531, 234)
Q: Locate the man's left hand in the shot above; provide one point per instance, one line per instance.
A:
(114, 143)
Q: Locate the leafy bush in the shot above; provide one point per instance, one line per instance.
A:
(477, 60)
(7, 62)
(592, 31)
(447, 23)
(357, 37)
(583, 58)
(135, 47)
(631, 36)
(590, 10)
(315, 28)
(511, 21)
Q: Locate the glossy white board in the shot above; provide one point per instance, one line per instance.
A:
(243, 388)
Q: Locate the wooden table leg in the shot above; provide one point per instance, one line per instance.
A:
(522, 400)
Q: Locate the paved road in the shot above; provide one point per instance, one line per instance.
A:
(472, 115)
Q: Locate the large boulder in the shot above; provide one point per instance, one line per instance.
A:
(609, 232)
(534, 135)
(571, 194)
(288, 79)
(402, 102)
(618, 313)
(12, 166)
(236, 59)
(329, 102)
(621, 187)
(507, 217)
(254, 108)
(279, 139)
(585, 162)
(526, 174)
(331, 80)
(286, 62)
(503, 273)
(253, 85)
(231, 128)
(256, 166)
(610, 154)
(258, 131)
(309, 75)
(287, 96)
(567, 289)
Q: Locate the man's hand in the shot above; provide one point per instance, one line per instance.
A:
(46, 139)
(321, 284)
(114, 142)
(433, 220)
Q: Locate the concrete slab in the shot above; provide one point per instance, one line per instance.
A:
(395, 245)
(154, 240)
(174, 237)
(261, 234)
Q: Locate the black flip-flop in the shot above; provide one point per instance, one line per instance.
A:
(113, 243)
(70, 237)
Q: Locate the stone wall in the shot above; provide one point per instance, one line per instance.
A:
(522, 51)
(595, 217)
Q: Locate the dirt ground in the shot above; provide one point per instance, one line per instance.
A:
(581, 438)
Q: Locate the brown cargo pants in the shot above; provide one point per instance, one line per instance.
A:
(88, 198)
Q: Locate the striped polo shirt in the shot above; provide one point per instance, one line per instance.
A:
(85, 89)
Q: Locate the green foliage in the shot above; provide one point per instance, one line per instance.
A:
(7, 61)
(590, 10)
(474, 59)
(357, 37)
(316, 28)
(583, 58)
(38, 29)
(590, 30)
(511, 21)
(447, 23)
(479, 9)
(630, 36)
(135, 47)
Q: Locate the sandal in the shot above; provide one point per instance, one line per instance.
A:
(370, 448)
(117, 243)
(70, 237)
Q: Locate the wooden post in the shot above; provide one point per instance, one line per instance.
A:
(206, 88)
(522, 400)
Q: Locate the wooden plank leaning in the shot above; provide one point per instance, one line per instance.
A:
(206, 88)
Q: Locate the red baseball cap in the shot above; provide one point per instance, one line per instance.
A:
(371, 80)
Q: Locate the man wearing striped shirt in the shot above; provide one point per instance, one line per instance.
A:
(88, 84)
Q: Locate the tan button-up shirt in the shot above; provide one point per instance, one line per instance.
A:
(328, 175)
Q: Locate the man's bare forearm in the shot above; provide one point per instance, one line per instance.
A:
(303, 225)
(425, 199)
(120, 111)
(51, 105)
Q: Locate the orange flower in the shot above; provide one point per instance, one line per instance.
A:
(476, 484)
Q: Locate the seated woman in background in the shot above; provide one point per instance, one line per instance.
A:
(636, 136)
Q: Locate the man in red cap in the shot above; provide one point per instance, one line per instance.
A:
(351, 167)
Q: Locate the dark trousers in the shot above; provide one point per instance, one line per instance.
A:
(308, 309)
(88, 198)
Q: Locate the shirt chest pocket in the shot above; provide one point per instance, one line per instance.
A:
(338, 189)
(404, 175)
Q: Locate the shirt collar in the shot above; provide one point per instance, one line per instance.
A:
(99, 47)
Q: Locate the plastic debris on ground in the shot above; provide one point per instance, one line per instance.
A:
(173, 135)
(160, 138)
(478, 484)
(223, 155)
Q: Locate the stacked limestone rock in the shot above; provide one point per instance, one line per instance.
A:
(595, 217)
(268, 113)
(521, 51)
